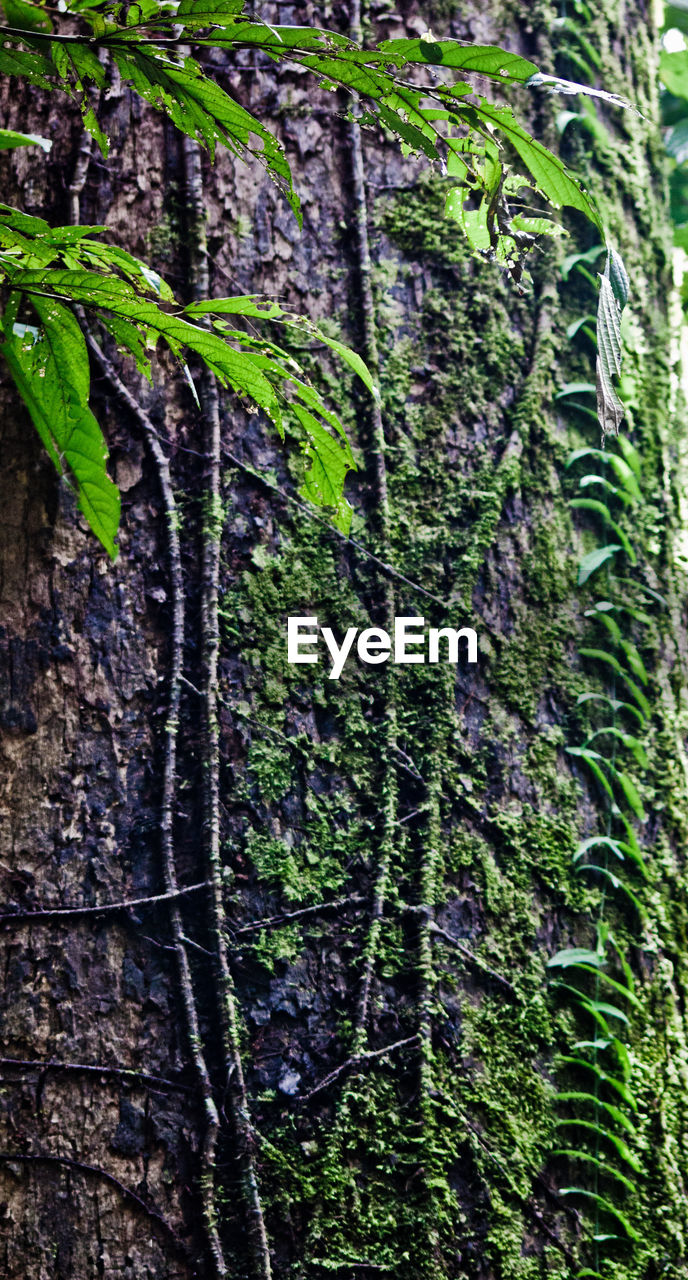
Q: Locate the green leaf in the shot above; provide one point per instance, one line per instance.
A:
(614, 703)
(619, 1086)
(32, 66)
(550, 174)
(628, 740)
(207, 10)
(484, 60)
(631, 455)
(607, 980)
(9, 138)
(600, 1010)
(592, 842)
(624, 497)
(576, 956)
(617, 883)
(588, 1099)
(250, 306)
(201, 109)
(618, 465)
(606, 1205)
(604, 1166)
(592, 504)
(601, 655)
(625, 782)
(609, 624)
(25, 16)
(583, 322)
(592, 758)
(631, 793)
(353, 360)
(635, 661)
(622, 1149)
(52, 375)
(575, 389)
(673, 72)
(329, 461)
(594, 561)
(589, 258)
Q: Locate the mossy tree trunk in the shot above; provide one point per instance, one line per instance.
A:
(399, 846)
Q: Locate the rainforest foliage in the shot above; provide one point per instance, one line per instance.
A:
(47, 271)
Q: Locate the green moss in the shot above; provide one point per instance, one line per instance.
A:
(446, 1185)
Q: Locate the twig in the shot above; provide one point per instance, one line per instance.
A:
(357, 1060)
(524, 1203)
(268, 921)
(84, 1068)
(430, 857)
(9, 1157)
(388, 569)
(434, 928)
(79, 176)
(45, 914)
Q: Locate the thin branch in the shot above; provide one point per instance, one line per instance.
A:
(191, 1021)
(127, 1074)
(45, 914)
(525, 1204)
(472, 958)
(388, 569)
(169, 788)
(376, 458)
(9, 1157)
(357, 1060)
(210, 643)
(269, 921)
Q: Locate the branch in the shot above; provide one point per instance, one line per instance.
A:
(8, 1157)
(191, 1020)
(45, 914)
(268, 921)
(472, 958)
(83, 1068)
(388, 569)
(357, 1059)
(376, 456)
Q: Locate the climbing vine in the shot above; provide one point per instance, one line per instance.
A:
(599, 1102)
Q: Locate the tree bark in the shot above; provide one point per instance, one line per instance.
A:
(391, 856)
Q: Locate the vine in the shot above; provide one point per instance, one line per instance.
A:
(233, 1069)
(596, 983)
(206, 1176)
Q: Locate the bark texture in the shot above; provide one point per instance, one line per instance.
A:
(395, 852)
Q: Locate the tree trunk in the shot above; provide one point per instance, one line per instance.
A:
(395, 847)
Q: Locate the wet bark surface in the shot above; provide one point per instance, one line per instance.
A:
(413, 1134)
